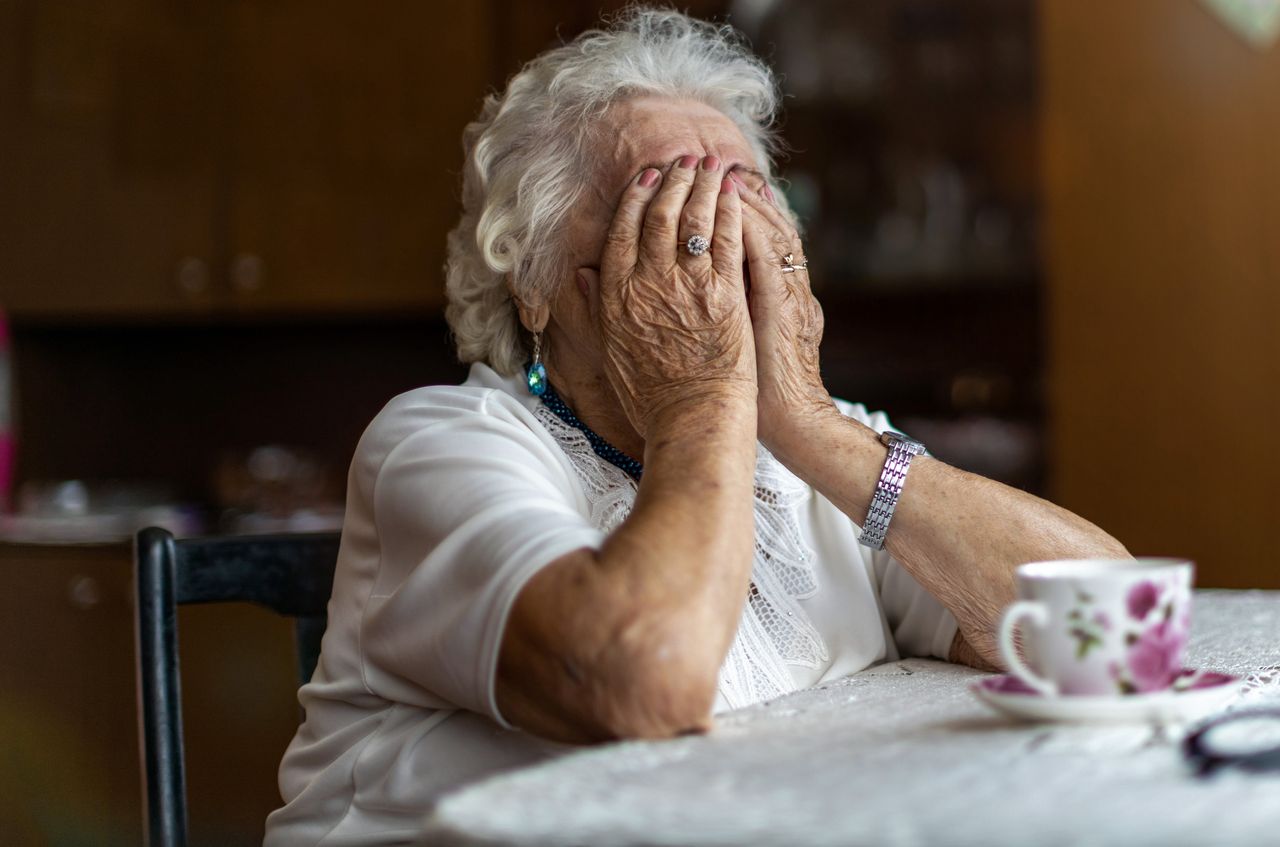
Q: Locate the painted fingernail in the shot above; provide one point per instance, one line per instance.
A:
(649, 177)
(687, 162)
(582, 283)
(727, 186)
(768, 193)
(710, 163)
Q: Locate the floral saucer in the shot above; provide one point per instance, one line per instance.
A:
(1193, 695)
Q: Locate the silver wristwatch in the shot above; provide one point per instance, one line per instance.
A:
(901, 450)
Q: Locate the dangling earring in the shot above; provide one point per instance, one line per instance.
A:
(537, 373)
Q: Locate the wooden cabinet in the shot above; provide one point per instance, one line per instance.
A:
(68, 715)
(345, 149)
(231, 158)
(66, 703)
(106, 158)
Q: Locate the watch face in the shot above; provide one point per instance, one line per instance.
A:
(889, 437)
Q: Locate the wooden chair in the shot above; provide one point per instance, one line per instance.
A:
(289, 574)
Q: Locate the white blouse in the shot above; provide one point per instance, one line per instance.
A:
(456, 496)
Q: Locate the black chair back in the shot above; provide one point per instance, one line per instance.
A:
(289, 574)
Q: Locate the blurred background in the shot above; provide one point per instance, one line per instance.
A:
(1046, 236)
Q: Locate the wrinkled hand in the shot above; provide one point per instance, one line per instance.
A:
(675, 327)
(786, 319)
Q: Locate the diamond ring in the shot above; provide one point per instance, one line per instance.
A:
(697, 245)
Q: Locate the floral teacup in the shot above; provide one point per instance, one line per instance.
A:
(1098, 626)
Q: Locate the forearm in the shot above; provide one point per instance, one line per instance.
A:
(963, 654)
(681, 562)
(960, 535)
(627, 641)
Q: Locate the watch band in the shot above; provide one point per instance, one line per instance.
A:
(902, 448)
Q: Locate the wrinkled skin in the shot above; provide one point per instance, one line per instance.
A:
(627, 335)
(674, 326)
(654, 349)
(786, 317)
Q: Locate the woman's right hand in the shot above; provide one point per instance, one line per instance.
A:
(675, 327)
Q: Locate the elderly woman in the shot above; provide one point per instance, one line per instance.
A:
(642, 507)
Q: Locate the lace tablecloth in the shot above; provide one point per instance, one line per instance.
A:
(900, 754)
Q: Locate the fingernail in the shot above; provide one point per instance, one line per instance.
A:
(710, 163)
(727, 186)
(687, 162)
(582, 283)
(649, 177)
(736, 178)
(768, 193)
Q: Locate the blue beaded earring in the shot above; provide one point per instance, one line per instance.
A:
(537, 373)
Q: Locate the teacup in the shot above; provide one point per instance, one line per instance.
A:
(1098, 626)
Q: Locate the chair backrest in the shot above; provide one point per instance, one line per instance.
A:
(289, 574)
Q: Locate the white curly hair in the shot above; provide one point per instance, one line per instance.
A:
(523, 158)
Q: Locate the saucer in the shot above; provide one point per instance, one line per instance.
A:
(1193, 695)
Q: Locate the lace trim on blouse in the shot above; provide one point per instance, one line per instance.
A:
(774, 631)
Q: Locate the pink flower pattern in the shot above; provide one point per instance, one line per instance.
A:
(1153, 657)
(1142, 598)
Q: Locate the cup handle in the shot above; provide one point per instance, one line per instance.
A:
(1038, 615)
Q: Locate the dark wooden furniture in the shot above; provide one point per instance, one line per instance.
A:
(291, 575)
(222, 160)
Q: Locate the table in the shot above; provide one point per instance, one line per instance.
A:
(900, 754)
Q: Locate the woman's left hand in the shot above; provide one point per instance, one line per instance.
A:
(786, 319)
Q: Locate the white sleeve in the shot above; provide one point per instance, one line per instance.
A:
(466, 510)
(920, 624)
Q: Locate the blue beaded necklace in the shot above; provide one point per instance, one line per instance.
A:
(602, 448)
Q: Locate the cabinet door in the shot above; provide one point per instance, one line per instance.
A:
(106, 181)
(68, 716)
(71, 771)
(345, 131)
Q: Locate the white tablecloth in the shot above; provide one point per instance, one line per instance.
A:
(900, 754)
